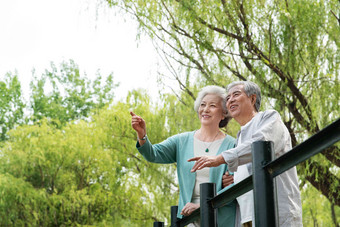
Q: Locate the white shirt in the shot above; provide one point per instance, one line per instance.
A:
(245, 210)
(268, 126)
(202, 176)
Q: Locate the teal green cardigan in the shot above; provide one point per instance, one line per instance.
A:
(179, 148)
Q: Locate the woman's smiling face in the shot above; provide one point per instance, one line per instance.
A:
(210, 110)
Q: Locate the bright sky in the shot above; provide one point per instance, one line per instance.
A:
(35, 32)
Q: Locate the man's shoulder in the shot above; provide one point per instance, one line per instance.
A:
(264, 117)
(269, 114)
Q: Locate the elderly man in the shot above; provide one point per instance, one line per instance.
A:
(243, 103)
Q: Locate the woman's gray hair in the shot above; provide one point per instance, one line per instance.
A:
(220, 92)
(250, 88)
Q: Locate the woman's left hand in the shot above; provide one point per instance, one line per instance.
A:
(227, 179)
(189, 208)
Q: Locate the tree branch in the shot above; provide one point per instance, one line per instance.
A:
(332, 154)
(323, 182)
(338, 19)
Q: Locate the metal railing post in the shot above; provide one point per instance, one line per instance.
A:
(208, 213)
(264, 192)
(174, 210)
(158, 224)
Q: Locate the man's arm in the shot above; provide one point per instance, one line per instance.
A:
(270, 128)
(206, 161)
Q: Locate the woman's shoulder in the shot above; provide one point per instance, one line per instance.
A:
(229, 140)
(183, 135)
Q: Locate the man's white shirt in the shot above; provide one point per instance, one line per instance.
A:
(267, 126)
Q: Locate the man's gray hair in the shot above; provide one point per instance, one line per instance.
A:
(214, 90)
(250, 88)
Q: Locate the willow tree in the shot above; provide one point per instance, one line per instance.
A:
(290, 48)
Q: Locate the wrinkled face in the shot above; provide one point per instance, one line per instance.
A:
(239, 105)
(210, 111)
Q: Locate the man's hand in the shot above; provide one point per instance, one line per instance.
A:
(206, 161)
(189, 208)
(227, 179)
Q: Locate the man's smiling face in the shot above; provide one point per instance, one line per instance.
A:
(239, 105)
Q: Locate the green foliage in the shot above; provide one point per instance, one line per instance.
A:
(316, 209)
(71, 96)
(11, 104)
(87, 172)
(20, 203)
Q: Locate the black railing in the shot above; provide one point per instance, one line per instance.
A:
(264, 171)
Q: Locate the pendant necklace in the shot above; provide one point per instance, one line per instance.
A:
(207, 149)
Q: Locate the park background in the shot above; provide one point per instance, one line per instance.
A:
(72, 70)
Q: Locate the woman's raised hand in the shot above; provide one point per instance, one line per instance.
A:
(138, 124)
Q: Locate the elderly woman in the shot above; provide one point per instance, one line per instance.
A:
(208, 140)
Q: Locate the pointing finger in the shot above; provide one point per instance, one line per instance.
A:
(193, 159)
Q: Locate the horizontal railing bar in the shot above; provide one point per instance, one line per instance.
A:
(310, 147)
(189, 219)
(232, 193)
